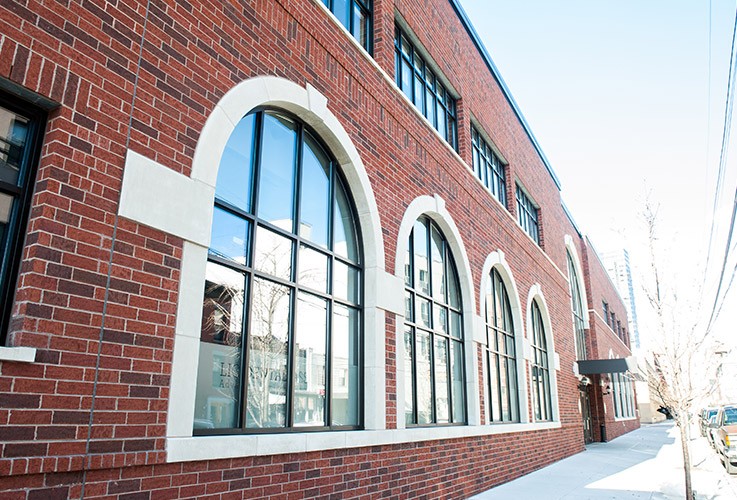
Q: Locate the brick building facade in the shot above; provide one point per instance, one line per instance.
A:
(395, 299)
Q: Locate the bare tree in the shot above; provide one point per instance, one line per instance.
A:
(681, 374)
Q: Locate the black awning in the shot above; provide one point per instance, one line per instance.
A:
(615, 365)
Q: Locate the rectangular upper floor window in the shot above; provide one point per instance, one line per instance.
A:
(423, 87)
(488, 167)
(355, 15)
(527, 215)
(20, 131)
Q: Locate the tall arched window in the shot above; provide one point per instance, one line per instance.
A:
(578, 312)
(433, 332)
(500, 352)
(280, 344)
(540, 368)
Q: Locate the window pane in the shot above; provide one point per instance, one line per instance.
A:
(219, 368)
(360, 26)
(494, 387)
(13, 138)
(422, 267)
(340, 9)
(409, 312)
(406, 83)
(513, 404)
(236, 166)
(267, 355)
(6, 207)
(315, 198)
(276, 185)
(309, 381)
(313, 269)
(273, 253)
(346, 366)
(423, 309)
(454, 293)
(440, 322)
(229, 237)
(456, 369)
(441, 380)
(503, 388)
(424, 379)
(346, 282)
(409, 389)
(438, 267)
(346, 241)
(455, 325)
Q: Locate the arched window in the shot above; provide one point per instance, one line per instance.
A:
(500, 352)
(577, 305)
(280, 344)
(433, 333)
(540, 368)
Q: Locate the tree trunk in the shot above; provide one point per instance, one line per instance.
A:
(682, 420)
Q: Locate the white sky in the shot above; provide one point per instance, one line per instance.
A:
(617, 94)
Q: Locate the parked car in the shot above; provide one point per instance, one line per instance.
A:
(704, 417)
(711, 427)
(725, 437)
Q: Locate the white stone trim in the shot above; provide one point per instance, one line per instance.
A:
(312, 108)
(159, 197)
(536, 294)
(18, 354)
(219, 447)
(496, 260)
(434, 207)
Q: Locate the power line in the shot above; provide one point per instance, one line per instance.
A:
(720, 178)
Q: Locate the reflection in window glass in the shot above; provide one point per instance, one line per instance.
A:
(236, 166)
(346, 243)
(540, 371)
(276, 177)
(346, 364)
(355, 15)
(310, 375)
(267, 355)
(229, 236)
(427, 93)
(313, 269)
(500, 352)
(433, 348)
(273, 254)
(293, 337)
(217, 401)
(314, 211)
(20, 126)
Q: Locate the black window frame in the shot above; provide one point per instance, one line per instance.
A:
(495, 353)
(412, 323)
(579, 324)
(528, 214)
(540, 365)
(297, 241)
(488, 167)
(23, 193)
(366, 7)
(406, 51)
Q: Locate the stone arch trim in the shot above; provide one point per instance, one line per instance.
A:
(434, 208)
(536, 295)
(311, 107)
(497, 260)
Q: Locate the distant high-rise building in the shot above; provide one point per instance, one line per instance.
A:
(617, 264)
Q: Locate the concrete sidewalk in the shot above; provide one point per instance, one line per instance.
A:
(644, 464)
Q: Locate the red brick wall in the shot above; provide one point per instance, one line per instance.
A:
(97, 294)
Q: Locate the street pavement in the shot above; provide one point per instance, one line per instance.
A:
(643, 464)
